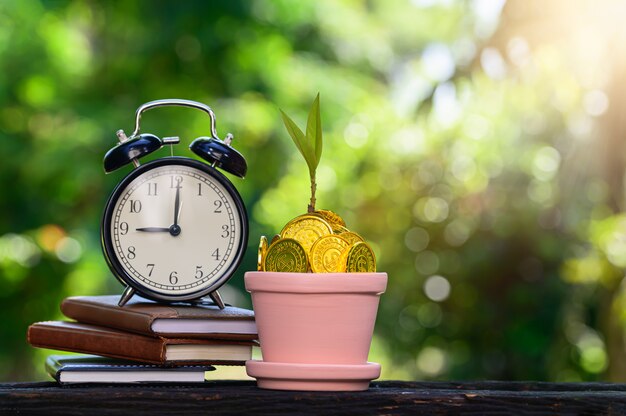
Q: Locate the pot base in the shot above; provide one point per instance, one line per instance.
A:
(312, 377)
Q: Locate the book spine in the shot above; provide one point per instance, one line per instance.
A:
(53, 367)
(125, 346)
(108, 317)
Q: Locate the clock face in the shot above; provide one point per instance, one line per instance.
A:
(176, 229)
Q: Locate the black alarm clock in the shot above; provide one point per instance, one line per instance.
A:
(174, 229)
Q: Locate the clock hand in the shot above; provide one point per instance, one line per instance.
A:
(154, 229)
(177, 206)
(175, 228)
(180, 208)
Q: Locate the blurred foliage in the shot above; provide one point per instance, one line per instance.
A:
(469, 148)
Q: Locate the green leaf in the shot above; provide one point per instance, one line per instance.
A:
(314, 129)
(304, 146)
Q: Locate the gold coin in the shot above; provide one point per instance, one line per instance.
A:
(275, 239)
(360, 259)
(331, 217)
(306, 230)
(342, 261)
(338, 229)
(262, 253)
(286, 255)
(325, 253)
(351, 237)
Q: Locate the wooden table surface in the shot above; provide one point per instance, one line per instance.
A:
(385, 397)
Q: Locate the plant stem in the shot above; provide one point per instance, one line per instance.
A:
(313, 188)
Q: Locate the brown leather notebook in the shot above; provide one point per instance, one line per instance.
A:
(91, 339)
(150, 318)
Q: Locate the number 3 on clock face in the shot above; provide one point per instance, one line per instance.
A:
(174, 229)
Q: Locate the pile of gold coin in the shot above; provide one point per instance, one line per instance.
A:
(317, 242)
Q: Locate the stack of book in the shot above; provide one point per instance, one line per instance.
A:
(143, 341)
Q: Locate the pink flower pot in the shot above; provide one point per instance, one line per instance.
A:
(321, 322)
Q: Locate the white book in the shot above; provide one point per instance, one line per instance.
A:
(68, 369)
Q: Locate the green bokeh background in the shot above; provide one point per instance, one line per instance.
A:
(478, 145)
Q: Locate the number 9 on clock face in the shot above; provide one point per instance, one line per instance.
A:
(174, 229)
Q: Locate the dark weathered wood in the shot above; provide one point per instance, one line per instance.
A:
(386, 398)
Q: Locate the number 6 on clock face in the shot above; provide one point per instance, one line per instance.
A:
(174, 229)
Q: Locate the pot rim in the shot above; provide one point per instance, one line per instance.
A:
(283, 282)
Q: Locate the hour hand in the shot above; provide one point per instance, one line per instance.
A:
(153, 229)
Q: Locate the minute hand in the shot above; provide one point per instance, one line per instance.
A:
(177, 206)
(175, 228)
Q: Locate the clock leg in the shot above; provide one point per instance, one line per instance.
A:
(128, 293)
(217, 299)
